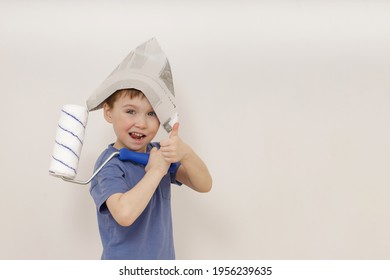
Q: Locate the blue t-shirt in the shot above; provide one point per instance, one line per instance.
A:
(151, 235)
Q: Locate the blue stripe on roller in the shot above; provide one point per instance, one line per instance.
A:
(63, 163)
(66, 147)
(70, 115)
(74, 135)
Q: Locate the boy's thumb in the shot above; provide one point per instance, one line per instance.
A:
(175, 130)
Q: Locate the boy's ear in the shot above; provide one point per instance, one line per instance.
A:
(107, 112)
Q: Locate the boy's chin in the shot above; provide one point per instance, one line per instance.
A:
(135, 147)
(138, 147)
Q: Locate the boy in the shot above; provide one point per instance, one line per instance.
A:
(133, 201)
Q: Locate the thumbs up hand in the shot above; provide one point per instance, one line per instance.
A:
(174, 149)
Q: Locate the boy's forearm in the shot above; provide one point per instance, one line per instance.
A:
(127, 207)
(196, 174)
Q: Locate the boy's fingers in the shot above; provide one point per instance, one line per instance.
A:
(164, 142)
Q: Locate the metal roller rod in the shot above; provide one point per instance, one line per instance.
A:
(93, 175)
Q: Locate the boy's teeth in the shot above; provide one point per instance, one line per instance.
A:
(136, 135)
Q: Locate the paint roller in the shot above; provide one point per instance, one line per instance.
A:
(68, 145)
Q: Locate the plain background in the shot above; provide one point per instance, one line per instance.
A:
(286, 101)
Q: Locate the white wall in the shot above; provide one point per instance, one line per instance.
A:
(286, 101)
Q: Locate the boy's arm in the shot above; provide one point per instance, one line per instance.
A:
(126, 207)
(193, 171)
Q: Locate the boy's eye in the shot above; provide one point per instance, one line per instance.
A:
(131, 112)
(152, 114)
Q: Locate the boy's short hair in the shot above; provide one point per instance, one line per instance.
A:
(130, 92)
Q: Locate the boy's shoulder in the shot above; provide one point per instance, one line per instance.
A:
(106, 153)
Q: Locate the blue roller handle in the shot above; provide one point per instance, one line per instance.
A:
(142, 158)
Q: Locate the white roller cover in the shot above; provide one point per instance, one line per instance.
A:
(69, 141)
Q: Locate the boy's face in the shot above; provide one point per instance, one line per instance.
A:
(134, 121)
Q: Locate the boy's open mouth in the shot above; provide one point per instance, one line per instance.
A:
(136, 135)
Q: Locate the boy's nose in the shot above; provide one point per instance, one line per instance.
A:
(141, 121)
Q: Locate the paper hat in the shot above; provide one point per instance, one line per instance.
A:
(146, 69)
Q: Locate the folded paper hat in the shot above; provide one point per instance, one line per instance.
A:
(146, 69)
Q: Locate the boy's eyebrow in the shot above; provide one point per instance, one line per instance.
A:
(129, 105)
(133, 106)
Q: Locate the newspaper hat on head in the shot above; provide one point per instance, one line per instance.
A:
(146, 69)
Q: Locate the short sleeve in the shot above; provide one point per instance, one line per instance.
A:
(110, 180)
(173, 177)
